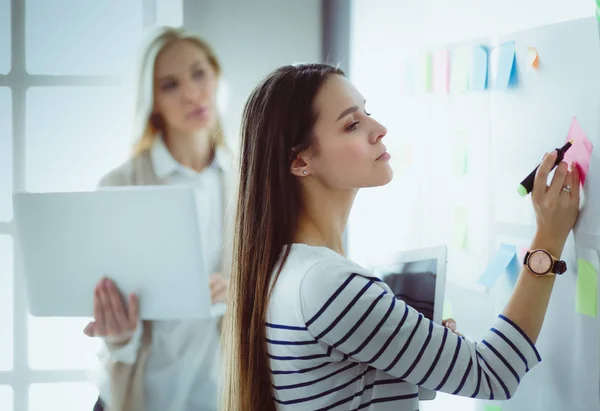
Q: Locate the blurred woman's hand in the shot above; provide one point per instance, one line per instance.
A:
(219, 287)
(114, 320)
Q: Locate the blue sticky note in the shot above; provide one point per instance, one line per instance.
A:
(479, 76)
(505, 261)
(507, 66)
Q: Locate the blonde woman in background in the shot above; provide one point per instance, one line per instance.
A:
(169, 365)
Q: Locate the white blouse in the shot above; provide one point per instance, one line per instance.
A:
(182, 372)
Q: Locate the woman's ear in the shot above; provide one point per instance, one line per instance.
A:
(299, 166)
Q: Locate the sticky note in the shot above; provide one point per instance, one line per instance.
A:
(441, 70)
(479, 73)
(532, 57)
(587, 282)
(460, 228)
(447, 312)
(505, 261)
(507, 66)
(459, 72)
(580, 151)
(460, 153)
(426, 72)
(492, 408)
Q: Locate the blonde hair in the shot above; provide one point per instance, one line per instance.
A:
(146, 129)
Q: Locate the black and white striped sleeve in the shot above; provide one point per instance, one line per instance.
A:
(357, 316)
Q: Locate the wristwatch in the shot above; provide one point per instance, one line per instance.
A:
(541, 262)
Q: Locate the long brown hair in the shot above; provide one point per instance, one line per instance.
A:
(149, 127)
(277, 124)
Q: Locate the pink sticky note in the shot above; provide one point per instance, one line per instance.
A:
(580, 151)
(441, 71)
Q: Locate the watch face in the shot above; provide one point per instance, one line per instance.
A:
(540, 262)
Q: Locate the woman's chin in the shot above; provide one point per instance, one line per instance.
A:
(195, 124)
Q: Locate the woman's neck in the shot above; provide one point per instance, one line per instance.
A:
(194, 151)
(324, 217)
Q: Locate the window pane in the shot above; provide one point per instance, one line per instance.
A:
(71, 145)
(6, 398)
(81, 37)
(6, 304)
(62, 396)
(59, 344)
(6, 168)
(4, 36)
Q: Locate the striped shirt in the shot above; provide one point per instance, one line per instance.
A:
(338, 339)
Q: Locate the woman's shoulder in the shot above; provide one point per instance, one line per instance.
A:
(124, 174)
(311, 268)
(309, 263)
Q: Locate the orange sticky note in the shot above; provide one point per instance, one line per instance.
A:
(534, 58)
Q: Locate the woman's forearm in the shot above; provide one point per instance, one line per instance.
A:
(529, 301)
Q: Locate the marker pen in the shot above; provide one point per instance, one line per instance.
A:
(527, 185)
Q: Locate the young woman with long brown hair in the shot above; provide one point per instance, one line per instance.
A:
(309, 329)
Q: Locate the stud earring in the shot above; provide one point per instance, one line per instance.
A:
(304, 172)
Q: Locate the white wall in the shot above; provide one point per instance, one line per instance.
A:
(251, 38)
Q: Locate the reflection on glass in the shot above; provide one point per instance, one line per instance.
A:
(6, 168)
(81, 37)
(70, 145)
(6, 304)
(62, 396)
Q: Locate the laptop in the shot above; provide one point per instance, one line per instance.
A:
(417, 277)
(147, 239)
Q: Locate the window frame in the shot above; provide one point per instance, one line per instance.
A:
(18, 80)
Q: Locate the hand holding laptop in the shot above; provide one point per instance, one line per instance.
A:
(113, 319)
(116, 320)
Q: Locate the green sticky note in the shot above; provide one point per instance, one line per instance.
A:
(427, 73)
(459, 73)
(447, 313)
(460, 162)
(460, 228)
(492, 408)
(587, 282)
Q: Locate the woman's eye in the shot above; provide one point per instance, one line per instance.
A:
(168, 86)
(199, 74)
(353, 126)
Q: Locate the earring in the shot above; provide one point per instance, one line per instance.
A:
(304, 172)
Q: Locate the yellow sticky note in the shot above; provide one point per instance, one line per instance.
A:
(492, 408)
(447, 312)
(460, 228)
(460, 153)
(459, 71)
(533, 57)
(587, 282)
